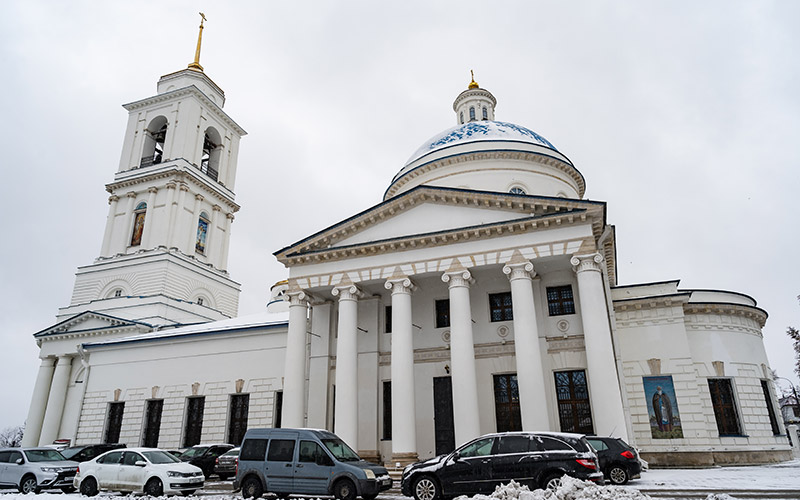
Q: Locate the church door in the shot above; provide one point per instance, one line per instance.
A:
(574, 411)
(506, 403)
(152, 425)
(443, 415)
(240, 404)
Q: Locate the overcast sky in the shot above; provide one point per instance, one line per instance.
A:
(683, 116)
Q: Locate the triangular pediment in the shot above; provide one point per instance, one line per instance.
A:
(426, 214)
(89, 322)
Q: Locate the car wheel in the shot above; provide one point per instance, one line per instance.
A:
(89, 487)
(154, 488)
(369, 497)
(344, 489)
(552, 482)
(426, 488)
(618, 475)
(251, 488)
(28, 485)
(68, 489)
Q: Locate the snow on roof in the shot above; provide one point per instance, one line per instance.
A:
(264, 319)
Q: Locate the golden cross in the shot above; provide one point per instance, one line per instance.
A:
(196, 63)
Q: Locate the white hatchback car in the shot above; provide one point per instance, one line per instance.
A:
(147, 470)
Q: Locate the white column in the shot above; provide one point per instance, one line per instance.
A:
(190, 249)
(462, 358)
(212, 245)
(112, 215)
(55, 401)
(177, 225)
(346, 412)
(223, 261)
(41, 391)
(294, 372)
(604, 391)
(532, 394)
(126, 236)
(404, 429)
(149, 216)
(170, 214)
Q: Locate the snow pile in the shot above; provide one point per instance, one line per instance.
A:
(570, 489)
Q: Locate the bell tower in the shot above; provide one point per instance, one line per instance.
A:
(164, 254)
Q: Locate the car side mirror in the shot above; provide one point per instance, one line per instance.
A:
(140, 463)
(456, 457)
(19, 461)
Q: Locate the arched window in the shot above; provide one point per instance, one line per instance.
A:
(138, 224)
(471, 114)
(517, 190)
(199, 301)
(485, 113)
(461, 117)
(154, 137)
(202, 234)
(118, 292)
(212, 150)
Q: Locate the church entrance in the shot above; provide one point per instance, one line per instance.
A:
(574, 411)
(443, 415)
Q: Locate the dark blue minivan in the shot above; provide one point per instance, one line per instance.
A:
(305, 462)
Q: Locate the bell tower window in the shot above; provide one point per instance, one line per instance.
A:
(485, 113)
(212, 150)
(202, 234)
(155, 136)
(138, 224)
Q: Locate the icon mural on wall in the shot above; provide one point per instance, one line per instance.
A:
(202, 232)
(662, 407)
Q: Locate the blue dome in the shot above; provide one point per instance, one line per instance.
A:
(480, 131)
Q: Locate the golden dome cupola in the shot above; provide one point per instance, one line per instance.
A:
(474, 104)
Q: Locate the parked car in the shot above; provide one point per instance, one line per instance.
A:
(535, 459)
(618, 460)
(305, 462)
(34, 469)
(145, 470)
(205, 456)
(88, 451)
(176, 453)
(225, 467)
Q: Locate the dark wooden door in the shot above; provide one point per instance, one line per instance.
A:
(237, 426)
(574, 410)
(114, 424)
(724, 404)
(152, 425)
(506, 403)
(194, 421)
(443, 415)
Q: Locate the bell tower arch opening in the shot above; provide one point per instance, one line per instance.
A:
(154, 139)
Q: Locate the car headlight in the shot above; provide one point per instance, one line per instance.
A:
(172, 473)
(370, 474)
(49, 469)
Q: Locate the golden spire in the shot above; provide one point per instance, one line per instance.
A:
(472, 85)
(196, 63)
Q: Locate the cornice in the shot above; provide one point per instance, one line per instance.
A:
(541, 213)
(161, 252)
(567, 168)
(755, 313)
(652, 302)
(184, 92)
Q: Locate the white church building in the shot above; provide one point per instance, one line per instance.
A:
(480, 295)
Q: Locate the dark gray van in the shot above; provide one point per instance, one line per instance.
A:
(305, 462)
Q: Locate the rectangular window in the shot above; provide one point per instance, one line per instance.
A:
(572, 394)
(387, 409)
(278, 409)
(152, 422)
(506, 403)
(194, 421)
(724, 403)
(773, 421)
(114, 421)
(388, 320)
(560, 300)
(237, 421)
(500, 308)
(443, 313)
(280, 450)
(253, 449)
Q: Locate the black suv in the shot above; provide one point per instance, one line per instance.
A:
(205, 456)
(88, 451)
(535, 459)
(618, 460)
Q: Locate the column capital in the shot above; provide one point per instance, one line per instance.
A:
(184, 187)
(48, 361)
(298, 298)
(400, 285)
(152, 189)
(229, 216)
(131, 194)
(519, 270)
(462, 278)
(347, 292)
(65, 359)
(171, 185)
(216, 208)
(113, 198)
(199, 197)
(589, 262)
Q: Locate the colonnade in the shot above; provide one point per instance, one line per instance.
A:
(47, 404)
(605, 395)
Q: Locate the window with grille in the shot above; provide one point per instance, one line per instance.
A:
(387, 409)
(773, 421)
(560, 300)
(724, 403)
(152, 422)
(500, 308)
(194, 421)
(574, 410)
(443, 313)
(237, 423)
(114, 421)
(506, 403)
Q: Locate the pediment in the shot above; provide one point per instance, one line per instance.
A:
(88, 322)
(426, 214)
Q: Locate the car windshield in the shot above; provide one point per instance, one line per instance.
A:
(194, 452)
(160, 457)
(71, 452)
(44, 456)
(233, 453)
(340, 450)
